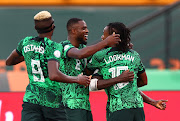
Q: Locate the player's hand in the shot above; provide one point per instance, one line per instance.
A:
(130, 45)
(83, 80)
(126, 76)
(112, 40)
(160, 104)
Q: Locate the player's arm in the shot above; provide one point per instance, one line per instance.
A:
(142, 79)
(90, 50)
(56, 75)
(98, 83)
(160, 104)
(14, 58)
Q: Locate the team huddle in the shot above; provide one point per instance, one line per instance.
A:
(62, 74)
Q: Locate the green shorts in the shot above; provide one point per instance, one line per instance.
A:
(34, 112)
(78, 115)
(133, 114)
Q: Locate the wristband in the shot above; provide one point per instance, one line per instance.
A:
(93, 85)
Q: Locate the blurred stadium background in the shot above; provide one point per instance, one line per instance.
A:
(155, 26)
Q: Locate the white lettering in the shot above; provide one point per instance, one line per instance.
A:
(132, 58)
(25, 50)
(35, 48)
(106, 61)
(114, 57)
(124, 57)
(32, 47)
(119, 57)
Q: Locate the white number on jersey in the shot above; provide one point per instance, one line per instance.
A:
(116, 72)
(38, 71)
(78, 63)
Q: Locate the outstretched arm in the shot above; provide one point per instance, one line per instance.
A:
(90, 50)
(56, 75)
(14, 58)
(160, 104)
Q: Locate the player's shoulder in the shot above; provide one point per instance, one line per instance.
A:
(133, 51)
(49, 42)
(65, 42)
(103, 51)
(100, 54)
(27, 38)
(66, 45)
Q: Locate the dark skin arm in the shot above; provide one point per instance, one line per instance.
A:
(90, 50)
(142, 79)
(14, 58)
(56, 75)
(160, 104)
(126, 76)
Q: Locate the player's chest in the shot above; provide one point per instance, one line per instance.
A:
(77, 64)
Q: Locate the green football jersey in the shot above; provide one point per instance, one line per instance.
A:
(40, 90)
(74, 96)
(111, 63)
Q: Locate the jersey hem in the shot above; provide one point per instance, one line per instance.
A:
(53, 59)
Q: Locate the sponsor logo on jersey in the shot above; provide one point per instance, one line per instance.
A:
(119, 57)
(35, 48)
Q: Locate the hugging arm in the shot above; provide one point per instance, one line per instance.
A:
(104, 83)
(56, 75)
(90, 50)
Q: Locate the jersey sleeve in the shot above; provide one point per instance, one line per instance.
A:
(141, 67)
(19, 48)
(93, 63)
(66, 48)
(54, 51)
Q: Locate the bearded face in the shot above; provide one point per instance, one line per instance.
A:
(82, 32)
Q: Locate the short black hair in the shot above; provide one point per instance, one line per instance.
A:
(120, 28)
(71, 22)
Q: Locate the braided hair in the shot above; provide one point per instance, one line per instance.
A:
(120, 28)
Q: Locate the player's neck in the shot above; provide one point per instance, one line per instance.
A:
(45, 35)
(73, 41)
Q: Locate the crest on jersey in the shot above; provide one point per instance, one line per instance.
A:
(57, 53)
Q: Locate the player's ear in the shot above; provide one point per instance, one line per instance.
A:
(53, 27)
(73, 30)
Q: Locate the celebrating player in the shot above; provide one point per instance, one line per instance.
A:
(124, 99)
(42, 99)
(74, 96)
